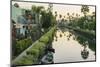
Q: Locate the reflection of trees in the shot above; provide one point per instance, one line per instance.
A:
(84, 53)
(83, 41)
(69, 36)
(92, 45)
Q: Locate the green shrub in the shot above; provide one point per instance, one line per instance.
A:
(28, 42)
(37, 50)
(50, 33)
(44, 39)
(33, 52)
(40, 46)
(22, 45)
(25, 60)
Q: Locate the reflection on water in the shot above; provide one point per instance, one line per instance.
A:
(71, 47)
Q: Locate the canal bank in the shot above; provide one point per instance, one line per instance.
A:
(86, 33)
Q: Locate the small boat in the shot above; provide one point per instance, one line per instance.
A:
(84, 54)
(48, 58)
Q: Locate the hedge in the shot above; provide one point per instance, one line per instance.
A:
(44, 39)
(37, 50)
(41, 45)
(22, 45)
(25, 60)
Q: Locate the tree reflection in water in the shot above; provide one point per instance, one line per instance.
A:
(75, 41)
(84, 41)
(85, 52)
(91, 44)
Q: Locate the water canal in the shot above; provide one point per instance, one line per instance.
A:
(71, 47)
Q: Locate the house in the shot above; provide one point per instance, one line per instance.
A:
(19, 16)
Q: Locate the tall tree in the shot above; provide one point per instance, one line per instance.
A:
(37, 11)
(69, 17)
(56, 14)
(84, 9)
(60, 16)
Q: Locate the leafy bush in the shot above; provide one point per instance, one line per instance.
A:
(50, 33)
(40, 46)
(33, 52)
(22, 45)
(44, 39)
(25, 60)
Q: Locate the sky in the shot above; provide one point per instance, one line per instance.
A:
(60, 8)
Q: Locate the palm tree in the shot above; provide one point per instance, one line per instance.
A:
(93, 13)
(37, 12)
(68, 14)
(69, 17)
(60, 16)
(77, 15)
(64, 16)
(84, 9)
(56, 14)
(73, 14)
(50, 7)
